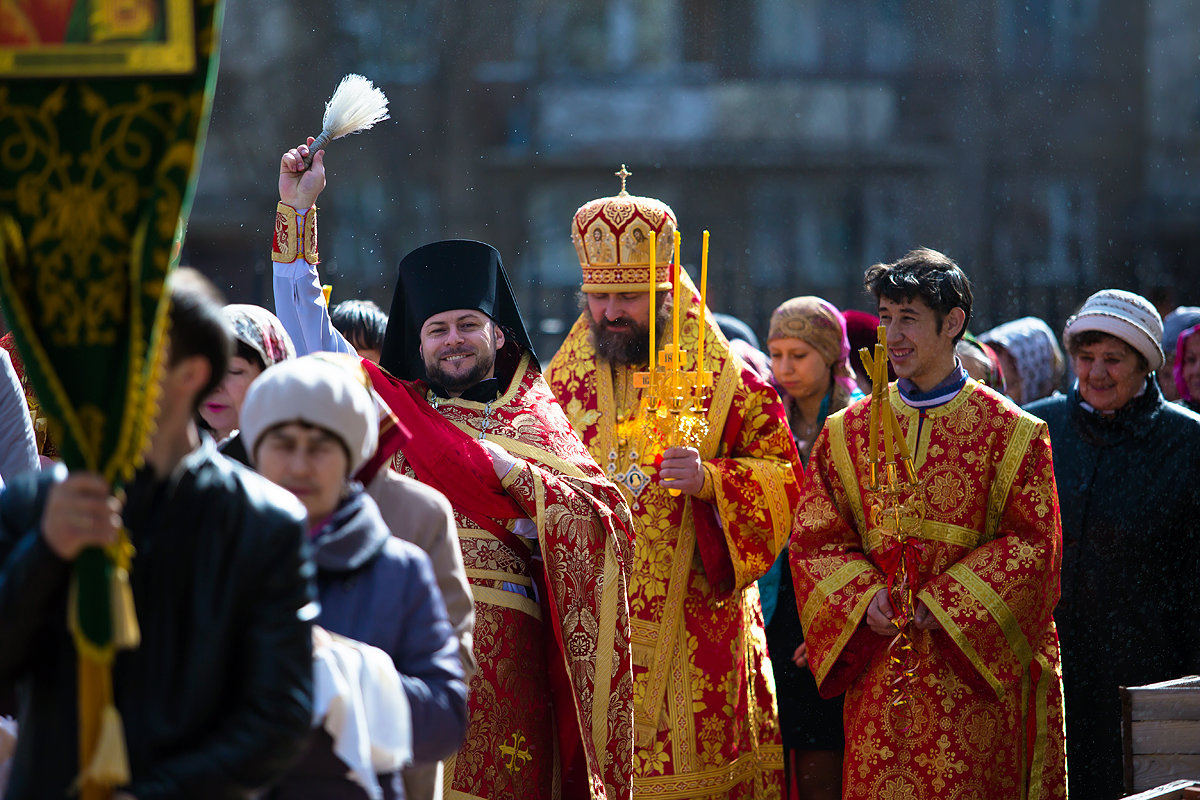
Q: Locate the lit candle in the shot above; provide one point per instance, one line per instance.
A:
(703, 301)
(653, 308)
(678, 282)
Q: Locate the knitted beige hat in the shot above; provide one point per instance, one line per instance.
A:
(317, 390)
(1125, 315)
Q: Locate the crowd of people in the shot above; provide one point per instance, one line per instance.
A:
(390, 555)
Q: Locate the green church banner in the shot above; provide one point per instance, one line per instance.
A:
(96, 180)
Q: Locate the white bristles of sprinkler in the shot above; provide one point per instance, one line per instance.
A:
(356, 106)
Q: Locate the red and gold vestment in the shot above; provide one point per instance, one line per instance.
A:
(705, 714)
(983, 716)
(551, 705)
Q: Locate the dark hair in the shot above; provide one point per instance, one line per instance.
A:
(362, 322)
(926, 274)
(198, 327)
(1089, 338)
(248, 353)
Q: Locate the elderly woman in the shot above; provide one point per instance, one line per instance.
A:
(811, 369)
(1029, 354)
(1126, 464)
(1187, 368)
(309, 425)
(259, 342)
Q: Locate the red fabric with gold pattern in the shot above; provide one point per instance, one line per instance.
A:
(984, 716)
(705, 713)
(583, 529)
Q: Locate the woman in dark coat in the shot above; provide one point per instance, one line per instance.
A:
(1127, 466)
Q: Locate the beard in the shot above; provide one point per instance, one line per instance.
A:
(458, 382)
(625, 342)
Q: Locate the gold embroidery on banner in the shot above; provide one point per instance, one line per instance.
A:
(987, 597)
(499, 597)
(1018, 445)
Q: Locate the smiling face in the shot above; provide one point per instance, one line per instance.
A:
(920, 345)
(459, 349)
(1109, 371)
(222, 409)
(799, 368)
(310, 462)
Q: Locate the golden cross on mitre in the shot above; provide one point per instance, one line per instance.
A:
(623, 174)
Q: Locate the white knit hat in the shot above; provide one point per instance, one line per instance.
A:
(1125, 315)
(321, 390)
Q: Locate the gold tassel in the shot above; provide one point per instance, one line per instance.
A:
(126, 633)
(110, 761)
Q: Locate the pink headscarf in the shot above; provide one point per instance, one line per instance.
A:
(1177, 370)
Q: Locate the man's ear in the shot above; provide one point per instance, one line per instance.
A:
(954, 321)
(499, 335)
(193, 373)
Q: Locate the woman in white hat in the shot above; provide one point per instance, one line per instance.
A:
(1127, 464)
(309, 424)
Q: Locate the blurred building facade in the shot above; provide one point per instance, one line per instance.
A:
(1047, 145)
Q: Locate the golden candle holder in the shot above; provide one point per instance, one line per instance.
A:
(673, 402)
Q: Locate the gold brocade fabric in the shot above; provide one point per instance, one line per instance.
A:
(984, 717)
(705, 714)
(512, 747)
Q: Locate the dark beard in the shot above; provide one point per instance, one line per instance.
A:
(627, 344)
(458, 385)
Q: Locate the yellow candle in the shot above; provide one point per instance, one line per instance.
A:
(653, 308)
(703, 301)
(678, 282)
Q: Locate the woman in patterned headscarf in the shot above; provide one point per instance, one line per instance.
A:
(260, 341)
(1029, 354)
(811, 368)
(810, 362)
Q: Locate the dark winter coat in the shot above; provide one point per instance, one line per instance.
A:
(381, 590)
(217, 699)
(1129, 490)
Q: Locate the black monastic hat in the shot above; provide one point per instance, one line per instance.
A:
(443, 276)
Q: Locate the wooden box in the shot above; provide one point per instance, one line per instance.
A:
(1160, 733)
